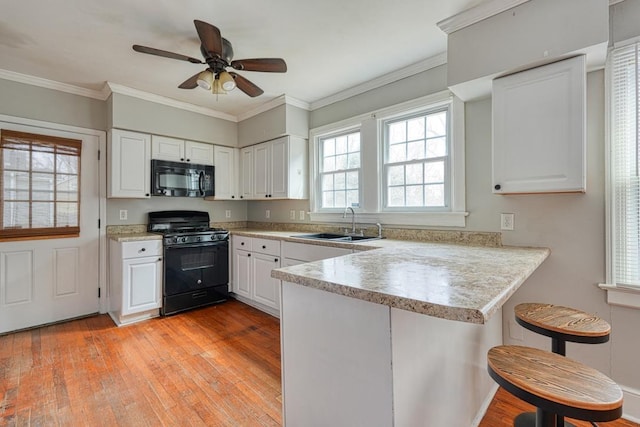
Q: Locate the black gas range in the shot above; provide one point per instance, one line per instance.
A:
(196, 259)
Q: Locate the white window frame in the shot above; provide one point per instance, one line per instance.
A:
(320, 173)
(617, 293)
(448, 171)
(371, 151)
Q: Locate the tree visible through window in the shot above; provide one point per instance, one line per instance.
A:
(40, 182)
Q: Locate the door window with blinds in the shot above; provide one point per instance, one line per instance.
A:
(40, 183)
(625, 166)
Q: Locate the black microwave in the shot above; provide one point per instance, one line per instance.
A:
(178, 179)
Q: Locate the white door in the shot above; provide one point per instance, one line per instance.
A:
(262, 163)
(49, 280)
(279, 167)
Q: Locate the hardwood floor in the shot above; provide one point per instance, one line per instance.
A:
(505, 407)
(217, 366)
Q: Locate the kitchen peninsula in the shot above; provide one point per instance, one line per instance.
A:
(396, 335)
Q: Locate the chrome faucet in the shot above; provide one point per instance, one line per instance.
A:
(353, 218)
(379, 229)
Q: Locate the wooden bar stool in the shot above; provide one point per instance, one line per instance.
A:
(562, 324)
(555, 385)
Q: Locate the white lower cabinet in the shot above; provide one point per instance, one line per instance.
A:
(135, 280)
(253, 260)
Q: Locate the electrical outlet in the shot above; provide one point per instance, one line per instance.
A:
(227, 213)
(301, 215)
(267, 213)
(507, 221)
(292, 214)
(123, 214)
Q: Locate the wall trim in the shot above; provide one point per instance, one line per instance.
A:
(413, 69)
(476, 14)
(51, 84)
(163, 100)
(276, 102)
(631, 411)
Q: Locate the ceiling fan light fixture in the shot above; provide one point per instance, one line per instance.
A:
(217, 88)
(205, 80)
(227, 81)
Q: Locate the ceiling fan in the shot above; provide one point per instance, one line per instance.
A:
(218, 55)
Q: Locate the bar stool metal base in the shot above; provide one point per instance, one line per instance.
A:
(528, 419)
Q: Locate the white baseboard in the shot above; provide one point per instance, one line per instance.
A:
(485, 406)
(631, 404)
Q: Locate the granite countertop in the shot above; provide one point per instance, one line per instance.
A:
(449, 281)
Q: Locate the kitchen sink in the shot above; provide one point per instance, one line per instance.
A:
(335, 237)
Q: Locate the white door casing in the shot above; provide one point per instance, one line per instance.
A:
(48, 280)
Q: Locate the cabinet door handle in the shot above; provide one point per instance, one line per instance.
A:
(241, 243)
(233, 197)
(275, 260)
(248, 254)
(143, 249)
(497, 186)
(264, 247)
(159, 259)
(182, 159)
(188, 160)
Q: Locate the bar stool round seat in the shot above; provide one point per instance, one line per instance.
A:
(562, 324)
(555, 385)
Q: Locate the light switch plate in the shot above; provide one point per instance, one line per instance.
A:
(123, 214)
(292, 214)
(267, 213)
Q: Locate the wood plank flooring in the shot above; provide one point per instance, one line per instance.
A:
(217, 366)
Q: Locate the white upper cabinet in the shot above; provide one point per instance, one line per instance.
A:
(178, 150)
(226, 173)
(129, 162)
(539, 129)
(275, 169)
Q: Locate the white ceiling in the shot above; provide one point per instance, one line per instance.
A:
(329, 45)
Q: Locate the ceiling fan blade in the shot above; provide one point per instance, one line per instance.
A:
(268, 65)
(164, 53)
(246, 86)
(209, 37)
(190, 83)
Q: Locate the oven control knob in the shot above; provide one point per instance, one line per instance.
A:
(184, 239)
(198, 238)
(213, 237)
(175, 240)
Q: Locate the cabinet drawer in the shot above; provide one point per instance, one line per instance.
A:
(241, 242)
(266, 246)
(142, 248)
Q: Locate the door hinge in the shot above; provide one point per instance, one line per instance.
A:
(98, 292)
(98, 154)
(99, 223)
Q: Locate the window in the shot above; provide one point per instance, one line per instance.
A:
(340, 170)
(40, 183)
(624, 176)
(416, 161)
(402, 164)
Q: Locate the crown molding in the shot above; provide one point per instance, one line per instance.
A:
(275, 102)
(163, 100)
(386, 79)
(50, 84)
(476, 14)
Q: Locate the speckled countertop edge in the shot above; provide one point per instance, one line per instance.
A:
(468, 284)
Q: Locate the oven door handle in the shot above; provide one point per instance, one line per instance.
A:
(201, 183)
(199, 245)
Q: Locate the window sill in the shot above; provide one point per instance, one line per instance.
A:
(439, 219)
(624, 297)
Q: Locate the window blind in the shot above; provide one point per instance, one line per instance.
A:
(625, 164)
(40, 184)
